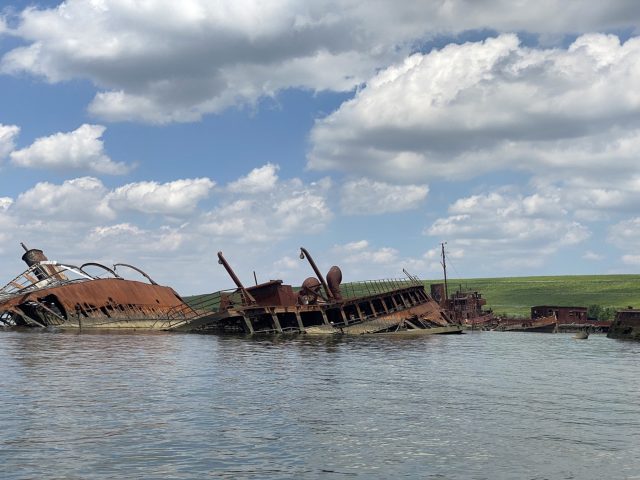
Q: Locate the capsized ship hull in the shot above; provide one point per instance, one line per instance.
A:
(50, 294)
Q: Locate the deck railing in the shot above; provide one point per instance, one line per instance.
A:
(200, 305)
(376, 287)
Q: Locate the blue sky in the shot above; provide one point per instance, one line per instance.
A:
(158, 133)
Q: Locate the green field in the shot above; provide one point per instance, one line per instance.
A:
(514, 296)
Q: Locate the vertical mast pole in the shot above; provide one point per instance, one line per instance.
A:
(444, 268)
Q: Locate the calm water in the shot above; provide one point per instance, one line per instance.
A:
(483, 405)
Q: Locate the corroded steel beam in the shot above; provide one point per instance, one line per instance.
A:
(222, 261)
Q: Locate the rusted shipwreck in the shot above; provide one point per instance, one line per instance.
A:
(53, 294)
(397, 307)
(465, 307)
(546, 324)
(49, 294)
(626, 324)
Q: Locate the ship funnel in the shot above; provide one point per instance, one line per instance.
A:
(33, 256)
(334, 278)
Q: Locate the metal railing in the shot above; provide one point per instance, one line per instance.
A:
(205, 304)
(43, 275)
(376, 287)
(200, 305)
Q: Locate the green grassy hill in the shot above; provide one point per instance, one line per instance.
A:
(516, 295)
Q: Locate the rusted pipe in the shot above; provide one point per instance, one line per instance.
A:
(99, 265)
(136, 269)
(222, 261)
(304, 254)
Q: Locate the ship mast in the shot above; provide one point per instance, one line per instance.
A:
(444, 268)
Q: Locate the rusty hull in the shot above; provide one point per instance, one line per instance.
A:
(99, 303)
(626, 325)
(547, 324)
(53, 294)
(384, 306)
(107, 302)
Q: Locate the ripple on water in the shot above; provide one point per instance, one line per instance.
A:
(483, 405)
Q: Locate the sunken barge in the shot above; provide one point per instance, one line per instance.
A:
(325, 307)
(52, 294)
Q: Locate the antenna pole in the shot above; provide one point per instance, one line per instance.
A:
(444, 269)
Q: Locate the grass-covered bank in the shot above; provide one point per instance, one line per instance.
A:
(516, 295)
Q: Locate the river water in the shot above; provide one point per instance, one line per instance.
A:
(484, 405)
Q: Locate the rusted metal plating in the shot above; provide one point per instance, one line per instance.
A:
(386, 306)
(53, 294)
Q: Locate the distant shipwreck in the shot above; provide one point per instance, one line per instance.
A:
(626, 325)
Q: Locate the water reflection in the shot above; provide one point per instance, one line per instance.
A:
(154, 405)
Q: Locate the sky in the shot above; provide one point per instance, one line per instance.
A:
(157, 133)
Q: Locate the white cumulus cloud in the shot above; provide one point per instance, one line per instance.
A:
(360, 260)
(81, 149)
(87, 198)
(5, 203)
(179, 197)
(136, 223)
(361, 252)
(365, 196)
(626, 236)
(631, 259)
(508, 230)
(261, 179)
(77, 200)
(8, 134)
(291, 208)
(166, 61)
(592, 197)
(469, 109)
(592, 256)
(131, 238)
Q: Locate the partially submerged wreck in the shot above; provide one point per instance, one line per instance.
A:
(546, 324)
(626, 324)
(49, 293)
(53, 294)
(465, 307)
(318, 307)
